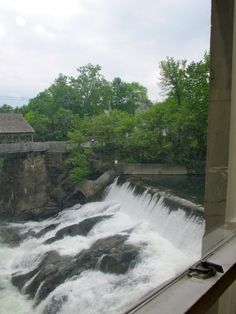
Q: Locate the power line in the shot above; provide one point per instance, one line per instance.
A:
(14, 97)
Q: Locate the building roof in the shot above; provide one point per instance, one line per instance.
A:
(12, 123)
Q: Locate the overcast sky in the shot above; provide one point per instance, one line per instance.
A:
(41, 38)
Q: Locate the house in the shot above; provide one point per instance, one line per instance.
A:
(15, 129)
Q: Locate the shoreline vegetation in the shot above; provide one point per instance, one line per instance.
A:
(115, 121)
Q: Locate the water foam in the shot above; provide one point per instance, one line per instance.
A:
(169, 243)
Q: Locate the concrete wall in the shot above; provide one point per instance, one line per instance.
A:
(154, 169)
(220, 193)
(219, 113)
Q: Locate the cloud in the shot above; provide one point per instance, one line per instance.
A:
(20, 21)
(3, 32)
(43, 31)
(44, 7)
(128, 38)
(40, 29)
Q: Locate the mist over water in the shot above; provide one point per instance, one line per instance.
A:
(169, 242)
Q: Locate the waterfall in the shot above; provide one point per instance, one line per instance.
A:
(169, 240)
(182, 231)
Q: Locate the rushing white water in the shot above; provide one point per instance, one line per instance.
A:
(169, 243)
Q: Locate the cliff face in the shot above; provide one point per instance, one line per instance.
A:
(35, 186)
(31, 185)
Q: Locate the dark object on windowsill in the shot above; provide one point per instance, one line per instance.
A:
(204, 270)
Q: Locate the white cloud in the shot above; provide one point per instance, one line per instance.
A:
(128, 38)
(20, 21)
(3, 32)
(46, 7)
(40, 29)
(43, 31)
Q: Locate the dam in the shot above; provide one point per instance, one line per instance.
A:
(154, 243)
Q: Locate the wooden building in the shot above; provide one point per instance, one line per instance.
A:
(15, 129)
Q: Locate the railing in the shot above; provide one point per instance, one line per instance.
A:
(13, 148)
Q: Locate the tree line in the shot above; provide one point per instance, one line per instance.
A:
(115, 120)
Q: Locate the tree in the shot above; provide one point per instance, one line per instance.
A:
(129, 97)
(62, 94)
(111, 133)
(79, 160)
(187, 85)
(173, 74)
(61, 124)
(92, 91)
(41, 125)
(87, 95)
(6, 108)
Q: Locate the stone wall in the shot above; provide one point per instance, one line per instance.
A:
(31, 184)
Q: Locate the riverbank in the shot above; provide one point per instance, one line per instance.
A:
(35, 186)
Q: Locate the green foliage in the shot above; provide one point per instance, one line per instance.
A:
(6, 108)
(92, 92)
(173, 131)
(116, 120)
(80, 167)
(79, 160)
(111, 133)
(173, 76)
(182, 117)
(53, 111)
(40, 123)
(129, 97)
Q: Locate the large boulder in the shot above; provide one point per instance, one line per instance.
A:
(118, 261)
(81, 228)
(91, 187)
(88, 189)
(41, 233)
(10, 236)
(55, 305)
(110, 255)
(50, 272)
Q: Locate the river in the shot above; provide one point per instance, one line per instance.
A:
(168, 241)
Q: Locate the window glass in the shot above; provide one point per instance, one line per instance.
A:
(103, 139)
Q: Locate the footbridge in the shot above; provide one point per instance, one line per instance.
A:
(28, 147)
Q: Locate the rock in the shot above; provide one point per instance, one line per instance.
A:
(55, 305)
(32, 185)
(52, 271)
(110, 254)
(45, 230)
(39, 214)
(20, 280)
(72, 199)
(10, 236)
(118, 262)
(81, 228)
(41, 233)
(23, 184)
(91, 187)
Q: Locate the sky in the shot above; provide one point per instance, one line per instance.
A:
(128, 38)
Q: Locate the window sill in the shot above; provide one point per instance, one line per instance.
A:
(191, 295)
